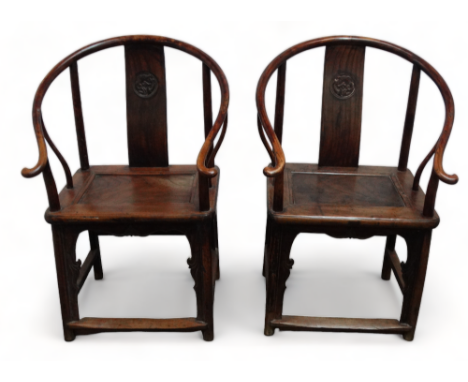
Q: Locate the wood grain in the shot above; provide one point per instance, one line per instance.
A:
(340, 324)
(341, 117)
(146, 116)
(409, 119)
(138, 324)
(78, 111)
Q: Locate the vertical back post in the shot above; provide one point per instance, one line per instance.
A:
(409, 119)
(52, 195)
(80, 131)
(207, 104)
(431, 192)
(278, 192)
(279, 107)
(207, 109)
(204, 192)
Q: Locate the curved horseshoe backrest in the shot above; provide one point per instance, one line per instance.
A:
(146, 100)
(342, 100)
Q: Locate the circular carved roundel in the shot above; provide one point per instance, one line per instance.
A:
(342, 87)
(145, 84)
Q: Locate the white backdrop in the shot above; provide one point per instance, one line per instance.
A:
(148, 277)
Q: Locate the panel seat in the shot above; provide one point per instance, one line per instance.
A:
(354, 196)
(123, 193)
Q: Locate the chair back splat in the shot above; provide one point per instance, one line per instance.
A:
(146, 105)
(342, 106)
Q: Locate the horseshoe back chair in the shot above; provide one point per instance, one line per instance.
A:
(147, 197)
(340, 198)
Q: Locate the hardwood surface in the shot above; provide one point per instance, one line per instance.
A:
(361, 196)
(147, 197)
(342, 199)
(126, 194)
(146, 105)
(343, 84)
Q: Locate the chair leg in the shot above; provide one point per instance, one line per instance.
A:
(203, 272)
(265, 251)
(387, 268)
(94, 241)
(414, 273)
(277, 269)
(68, 269)
(215, 245)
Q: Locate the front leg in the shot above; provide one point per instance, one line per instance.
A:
(414, 274)
(278, 268)
(203, 272)
(68, 269)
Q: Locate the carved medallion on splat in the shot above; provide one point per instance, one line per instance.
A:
(145, 84)
(342, 86)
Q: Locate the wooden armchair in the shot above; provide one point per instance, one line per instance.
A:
(340, 198)
(147, 197)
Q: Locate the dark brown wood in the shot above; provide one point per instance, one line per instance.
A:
(342, 199)
(421, 168)
(396, 267)
(387, 264)
(68, 269)
(148, 197)
(278, 197)
(352, 190)
(86, 268)
(207, 106)
(279, 106)
(96, 325)
(54, 202)
(97, 265)
(343, 84)
(60, 157)
(204, 185)
(80, 130)
(429, 202)
(383, 198)
(207, 113)
(414, 271)
(409, 120)
(277, 167)
(277, 271)
(264, 141)
(340, 324)
(146, 105)
(218, 144)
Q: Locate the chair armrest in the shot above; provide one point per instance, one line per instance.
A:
(276, 152)
(439, 155)
(208, 153)
(438, 152)
(43, 159)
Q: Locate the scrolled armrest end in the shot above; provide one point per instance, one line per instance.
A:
(271, 172)
(446, 178)
(35, 171)
(208, 172)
